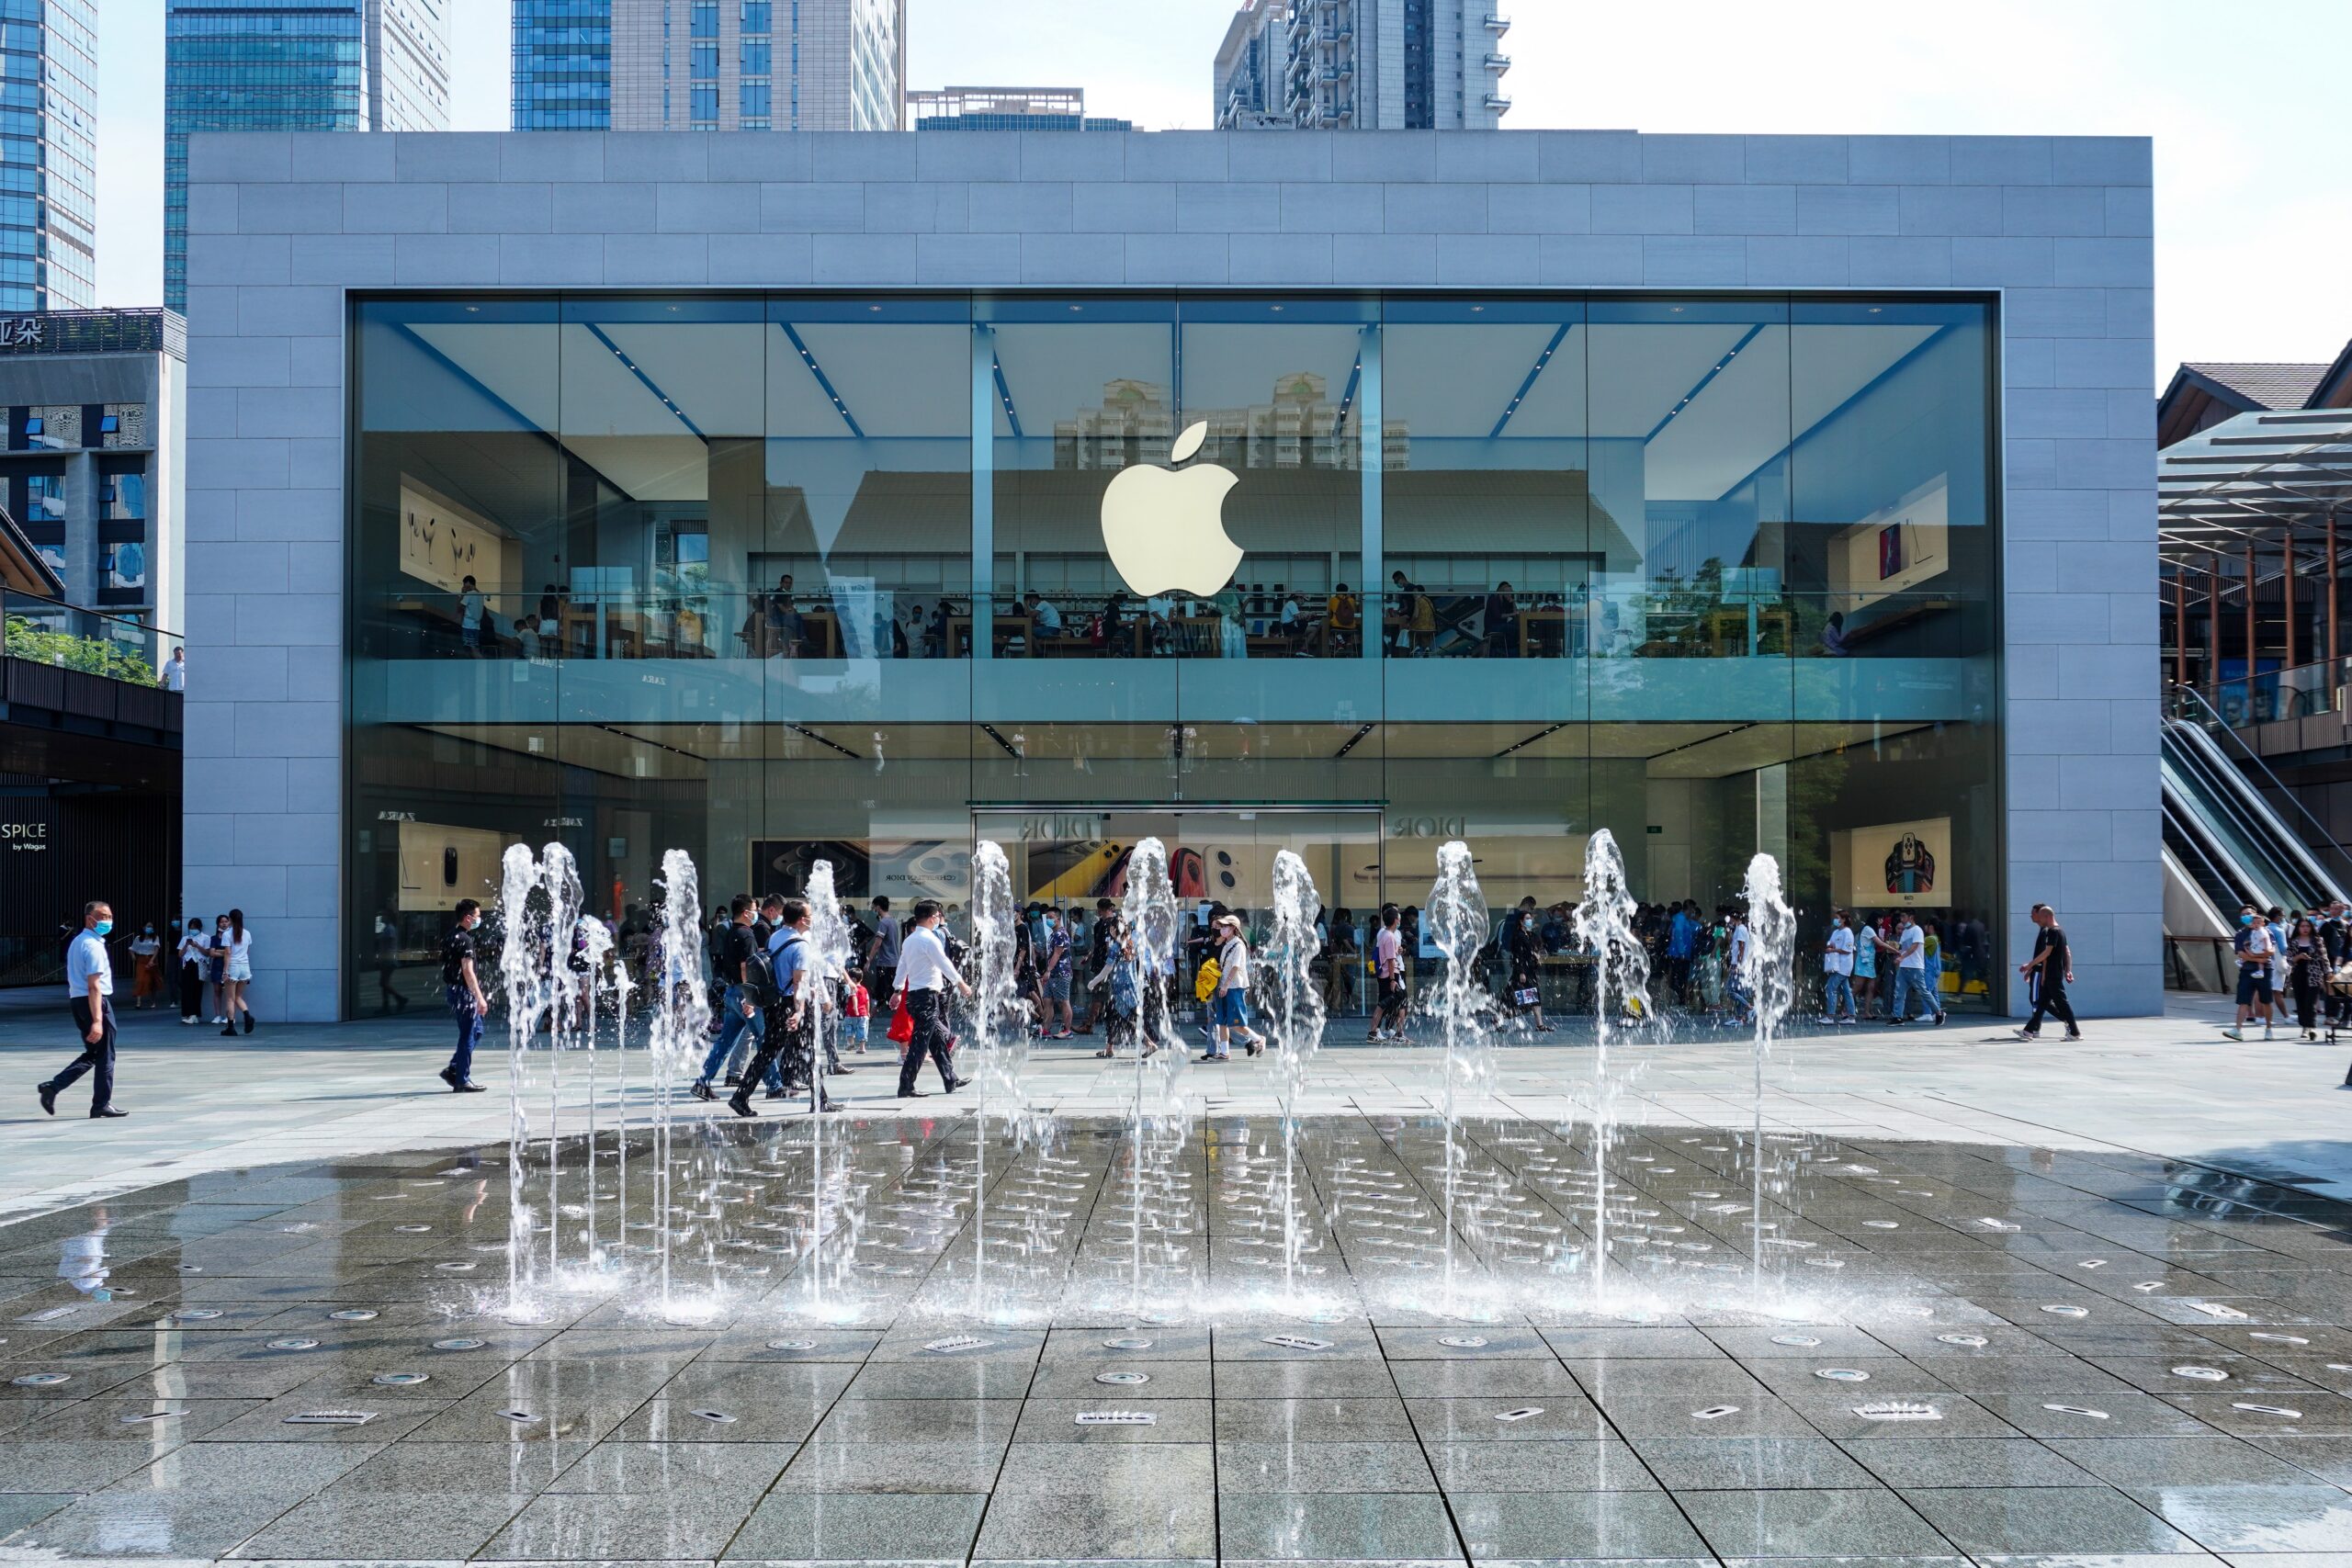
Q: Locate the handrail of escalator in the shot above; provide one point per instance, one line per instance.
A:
(2232, 879)
(2213, 807)
(2209, 722)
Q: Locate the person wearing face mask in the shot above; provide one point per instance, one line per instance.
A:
(461, 983)
(216, 966)
(1836, 972)
(2257, 972)
(89, 981)
(1526, 967)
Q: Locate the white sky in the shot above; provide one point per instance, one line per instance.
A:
(2253, 204)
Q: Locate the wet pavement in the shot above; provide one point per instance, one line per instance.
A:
(1990, 1350)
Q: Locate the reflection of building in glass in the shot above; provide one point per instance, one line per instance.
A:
(1299, 427)
(751, 64)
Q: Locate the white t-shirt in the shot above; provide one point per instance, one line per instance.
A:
(1911, 947)
(2257, 951)
(469, 603)
(1739, 948)
(1049, 620)
(192, 946)
(240, 948)
(175, 675)
(1233, 966)
(1839, 958)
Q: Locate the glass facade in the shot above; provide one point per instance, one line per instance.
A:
(49, 127)
(564, 64)
(780, 577)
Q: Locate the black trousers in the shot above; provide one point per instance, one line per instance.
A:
(191, 990)
(97, 1058)
(2050, 998)
(780, 1041)
(925, 1008)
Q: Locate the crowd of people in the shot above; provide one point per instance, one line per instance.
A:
(2284, 957)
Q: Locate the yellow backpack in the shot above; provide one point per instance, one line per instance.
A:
(1204, 982)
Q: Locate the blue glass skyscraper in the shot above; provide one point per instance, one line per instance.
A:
(319, 65)
(49, 132)
(564, 64)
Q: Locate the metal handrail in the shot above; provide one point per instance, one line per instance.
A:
(2212, 721)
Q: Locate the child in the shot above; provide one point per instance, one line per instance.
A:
(857, 1008)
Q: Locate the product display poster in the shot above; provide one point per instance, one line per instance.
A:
(1893, 866)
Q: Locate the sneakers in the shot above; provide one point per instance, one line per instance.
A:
(2028, 1034)
(701, 1089)
(739, 1102)
(449, 1075)
(2235, 1031)
(1940, 1015)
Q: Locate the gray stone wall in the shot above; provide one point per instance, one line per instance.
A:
(282, 226)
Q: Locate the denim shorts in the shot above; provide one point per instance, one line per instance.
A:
(1233, 1009)
(1057, 988)
(2254, 985)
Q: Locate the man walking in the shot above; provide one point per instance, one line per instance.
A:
(791, 1010)
(923, 972)
(2051, 969)
(1837, 973)
(89, 981)
(882, 952)
(737, 1009)
(2257, 971)
(461, 985)
(1911, 971)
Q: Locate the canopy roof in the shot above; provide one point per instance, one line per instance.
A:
(2255, 480)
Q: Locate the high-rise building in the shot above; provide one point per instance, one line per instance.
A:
(1005, 108)
(1362, 65)
(564, 64)
(49, 155)
(322, 66)
(756, 64)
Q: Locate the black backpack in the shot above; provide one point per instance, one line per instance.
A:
(759, 975)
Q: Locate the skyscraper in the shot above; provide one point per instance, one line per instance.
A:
(1362, 65)
(47, 153)
(564, 64)
(750, 64)
(319, 65)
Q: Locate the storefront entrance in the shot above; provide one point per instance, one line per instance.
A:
(1225, 855)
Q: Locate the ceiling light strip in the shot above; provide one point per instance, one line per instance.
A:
(1528, 385)
(823, 383)
(1692, 395)
(643, 380)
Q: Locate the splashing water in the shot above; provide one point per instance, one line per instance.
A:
(1000, 1047)
(1768, 974)
(1621, 980)
(680, 1018)
(1296, 946)
(1457, 922)
(831, 950)
(1161, 1112)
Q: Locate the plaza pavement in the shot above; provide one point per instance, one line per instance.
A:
(2168, 1086)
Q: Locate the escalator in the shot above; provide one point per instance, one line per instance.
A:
(2225, 837)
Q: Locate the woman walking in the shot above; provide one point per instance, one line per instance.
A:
(147, 967)
(2306, 973)
(235, 951)
(1867, 941)
(192, 959)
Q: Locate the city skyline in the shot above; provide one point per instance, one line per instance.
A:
(2240, 127)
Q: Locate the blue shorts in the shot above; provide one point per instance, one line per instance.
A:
(1057, 988)
(2254, 985)
(1233, 1010)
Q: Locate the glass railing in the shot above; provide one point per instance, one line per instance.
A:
(43, 631)
(1610, 622)
(2302, 692)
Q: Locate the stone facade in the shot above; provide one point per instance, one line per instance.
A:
(283, 226)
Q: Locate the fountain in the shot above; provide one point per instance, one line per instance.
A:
(1159, 1115)
(1000, 1045)
(1457, 923)
(680, 1019)
(1296, 946)
(1620, 978)
(1767, 974)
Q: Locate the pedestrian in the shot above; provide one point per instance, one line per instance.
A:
(215, 966)
(89, 981)
(471, 611)
(1836, 972)
(1099, 946)
(176, 671)
(923, 972)
(794, 1000)
(461, 987)
(236, 956)
(147, 967)
(882, 952)
(737, 1011)
(1737, 989)
(192, 962)
(2051, 969)
(2306, 974)
(857, 1012)
(1117, 984)
(1681, 944)
(1525, 950)
(1054, 977)
(388, 960)
(1867, 944)
(1231, 998)
(1911, 971)
(2257, 958)
(1388, 975)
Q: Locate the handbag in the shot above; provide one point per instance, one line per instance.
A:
(902, 1023)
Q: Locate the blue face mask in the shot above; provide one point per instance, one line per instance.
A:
(103, 927)
(2245, 919)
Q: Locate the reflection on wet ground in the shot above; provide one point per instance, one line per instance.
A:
(1917, 1350)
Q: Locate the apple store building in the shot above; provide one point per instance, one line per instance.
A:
(885, 549)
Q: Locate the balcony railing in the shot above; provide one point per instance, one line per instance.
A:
(2304, 690)
(43, 631)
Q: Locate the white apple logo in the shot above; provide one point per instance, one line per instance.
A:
(1165, 529)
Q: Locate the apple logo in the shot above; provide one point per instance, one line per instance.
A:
(1165, 527)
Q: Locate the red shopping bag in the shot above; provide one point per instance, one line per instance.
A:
(902, 1023)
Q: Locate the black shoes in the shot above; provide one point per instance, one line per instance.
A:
(249, 1023)
(702, 1090)
(49, 1099)
(231, 1031)
(449, 1075)
(732, 1080)
(954, 1084)
(741, 1103)
(912, 1094)
(468, 1087)
(108, 1112)
(777, 1094)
